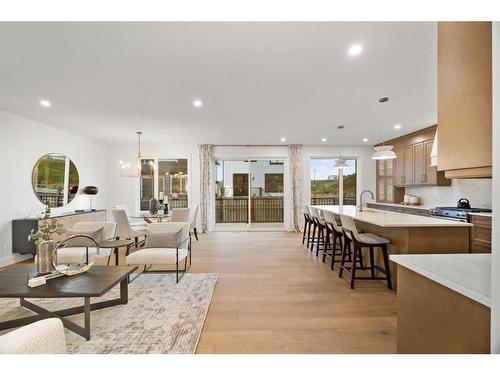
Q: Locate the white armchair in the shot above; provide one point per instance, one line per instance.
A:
(43, 337)
(160, 256)
(81, 254)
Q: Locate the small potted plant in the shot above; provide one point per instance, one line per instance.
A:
(44, 243)
(161, 208)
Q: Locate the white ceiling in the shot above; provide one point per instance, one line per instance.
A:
(258, 81)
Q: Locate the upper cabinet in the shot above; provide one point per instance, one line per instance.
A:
(412, 165)
(465, 99)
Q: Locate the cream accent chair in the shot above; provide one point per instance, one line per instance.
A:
(79, 255)
(43, 337)
(163, 257)
(124, 228)
(193, 213)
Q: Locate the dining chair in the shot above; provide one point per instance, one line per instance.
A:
(180, 215)
(125, 230)
(193, 213)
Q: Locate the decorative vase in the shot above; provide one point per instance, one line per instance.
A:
(153, 202)
(44, 257)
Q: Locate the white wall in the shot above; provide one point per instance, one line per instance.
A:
(495, 261)
(366, 166)
(478, 191)
(22, 143)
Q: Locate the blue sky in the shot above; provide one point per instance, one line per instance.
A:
(322, 168)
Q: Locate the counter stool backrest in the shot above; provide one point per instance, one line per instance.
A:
(330, 218)
(314, 212)
(349, 225)
(305, 210)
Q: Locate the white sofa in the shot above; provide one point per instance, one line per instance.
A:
(43, 337)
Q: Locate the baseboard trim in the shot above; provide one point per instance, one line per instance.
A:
(13, 258)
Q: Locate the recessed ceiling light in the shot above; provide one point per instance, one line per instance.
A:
(323, 139)
(283, 139)
(197, 103)
(340, 127)
(397, 126)
(45, 103)
(355, 49)
(365, 139)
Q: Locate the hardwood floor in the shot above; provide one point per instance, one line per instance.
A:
(274, 296)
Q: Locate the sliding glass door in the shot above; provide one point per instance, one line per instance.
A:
(249, 194)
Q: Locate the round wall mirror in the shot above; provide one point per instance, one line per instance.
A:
(55, 180)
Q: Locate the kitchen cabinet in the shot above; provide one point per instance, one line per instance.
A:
(480, 235)
(412, 163)
(386, 191)
(465, 99)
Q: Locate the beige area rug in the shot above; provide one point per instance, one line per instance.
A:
(160, 317)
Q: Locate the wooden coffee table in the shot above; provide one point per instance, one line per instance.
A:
(94, 283)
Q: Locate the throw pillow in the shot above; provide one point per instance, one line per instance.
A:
(162, 239)
(82, 241)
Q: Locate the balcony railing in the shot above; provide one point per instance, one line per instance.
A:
(331, 201)
(235, 210)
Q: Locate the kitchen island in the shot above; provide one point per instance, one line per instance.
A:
(444, 303)
(409, 234)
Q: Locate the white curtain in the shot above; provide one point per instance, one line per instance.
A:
(206, 201)
(295, 161)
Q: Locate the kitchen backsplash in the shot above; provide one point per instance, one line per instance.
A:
(477, 191)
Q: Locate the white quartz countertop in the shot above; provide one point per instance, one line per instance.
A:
(417, 206)
(467, 274)
(383, 218)
(485, 214)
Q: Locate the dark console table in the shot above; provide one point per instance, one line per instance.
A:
(94, 283)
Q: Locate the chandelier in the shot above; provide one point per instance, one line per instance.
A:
(135, 169)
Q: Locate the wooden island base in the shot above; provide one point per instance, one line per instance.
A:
(419, 240)
(435, 319)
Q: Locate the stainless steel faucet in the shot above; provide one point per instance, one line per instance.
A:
(361, 198)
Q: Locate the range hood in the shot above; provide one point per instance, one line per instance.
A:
(434, 151)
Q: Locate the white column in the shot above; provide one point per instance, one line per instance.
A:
(341, 187)
(495, 255)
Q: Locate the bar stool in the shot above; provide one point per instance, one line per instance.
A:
(333, 231)
(318, 227)
(307, 225)
(360, 240)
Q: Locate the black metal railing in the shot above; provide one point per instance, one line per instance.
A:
(235, 210)
(331, 201)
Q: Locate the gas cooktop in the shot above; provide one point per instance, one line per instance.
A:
(464, 209)
(456, 213)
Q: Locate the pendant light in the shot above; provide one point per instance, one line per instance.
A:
(126, 169)
(383, 152)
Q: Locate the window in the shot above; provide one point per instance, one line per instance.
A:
(146, 183)
(172, 182)
(165, 179)
(273, 182)
(325, 178)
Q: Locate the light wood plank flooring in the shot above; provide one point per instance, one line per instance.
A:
(274, 296)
